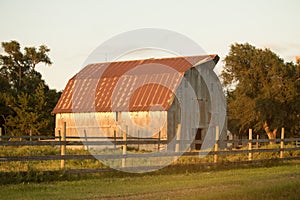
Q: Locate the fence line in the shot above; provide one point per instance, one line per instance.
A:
(62, 141)
(117, 156)
(118, 141)
(218, 152)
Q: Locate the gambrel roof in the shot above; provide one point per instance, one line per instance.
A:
(135, 85)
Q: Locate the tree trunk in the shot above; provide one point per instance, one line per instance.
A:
(271, 134)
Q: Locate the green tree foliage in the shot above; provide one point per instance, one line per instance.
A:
(263, 92)
(19, 68)
(28, 111)
(26, 101)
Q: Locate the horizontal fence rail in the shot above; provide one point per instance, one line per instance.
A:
(249, 148)
(119, 141)
(128, 155)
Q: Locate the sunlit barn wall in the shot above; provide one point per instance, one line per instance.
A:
(142, 124)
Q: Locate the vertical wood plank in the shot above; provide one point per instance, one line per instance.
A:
(86, 139)
(30, 135)
(177, 146)
(124, 147)
(216, 144)
(282, 143)
(250, 145)
(59, 139)
(63, 146)
(158, 144)
(115, 139)
(138, 147)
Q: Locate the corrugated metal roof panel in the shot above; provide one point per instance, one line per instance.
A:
(137, 85)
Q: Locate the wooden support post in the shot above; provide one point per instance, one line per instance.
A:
(30, 135)
(0, 133)
(86, 140)
(216, 144)
(257, 144)
(177, 146)
(158, 144)
(138, 147)
(250, 145)
(282, 143)
(63, 146)
(233, 141)
(59, 138)
(115, 138)
(124, 147)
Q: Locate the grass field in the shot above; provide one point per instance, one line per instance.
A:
(52, 165)
(280, 181)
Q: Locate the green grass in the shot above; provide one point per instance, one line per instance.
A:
(44, 165)
(19, 166)
(175, 182)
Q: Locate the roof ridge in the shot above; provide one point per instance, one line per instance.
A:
(145, 59)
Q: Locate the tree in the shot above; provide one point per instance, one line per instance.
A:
(16, 66)
(263, 91)
(26, 101)
(28, 109)
(4, 89)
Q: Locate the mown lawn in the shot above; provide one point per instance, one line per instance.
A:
(274, 182)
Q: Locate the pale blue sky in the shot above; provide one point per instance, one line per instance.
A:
(73, 29)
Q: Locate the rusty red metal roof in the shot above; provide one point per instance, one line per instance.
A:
(136, 85)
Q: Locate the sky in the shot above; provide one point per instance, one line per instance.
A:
(73, 29)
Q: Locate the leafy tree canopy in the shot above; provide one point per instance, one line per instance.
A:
(25, 100)
(18, 67)
(263, 92)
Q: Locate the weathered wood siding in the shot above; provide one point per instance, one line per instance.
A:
(192, 119)
(107, 124)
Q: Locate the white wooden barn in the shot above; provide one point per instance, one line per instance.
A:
(144, 97)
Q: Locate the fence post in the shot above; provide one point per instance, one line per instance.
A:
(63, 146)
(282, 143)
(0, 133)
(30, 135)
(234, 142)
(158, 145)
(124, 147)
(257, 138)
(216, 144)
(86, 140)
(138, 147)
(250, 145)
(115, 135)
(59, 139)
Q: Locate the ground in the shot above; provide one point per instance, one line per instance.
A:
(276, 181)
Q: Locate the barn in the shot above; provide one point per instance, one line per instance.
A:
(155, 97)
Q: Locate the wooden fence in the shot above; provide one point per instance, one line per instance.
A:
(251, 146)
